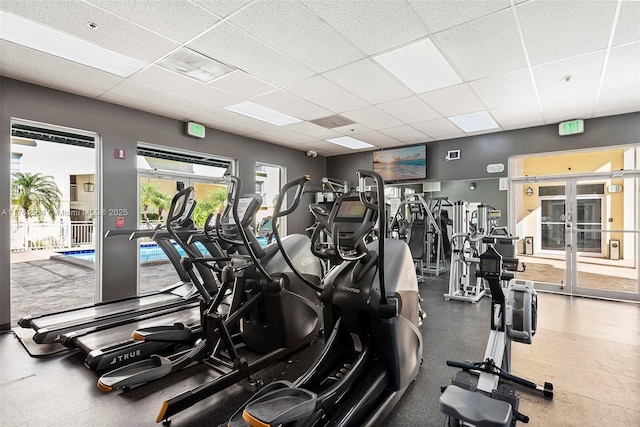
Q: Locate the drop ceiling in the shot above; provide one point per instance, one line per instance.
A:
(524, 63)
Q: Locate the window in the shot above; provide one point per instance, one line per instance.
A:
(259, 187)
(15, 162)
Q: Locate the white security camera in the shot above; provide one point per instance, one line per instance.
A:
(310, 153)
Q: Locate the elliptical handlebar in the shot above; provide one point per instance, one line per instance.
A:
(299, 184)
(377, 205)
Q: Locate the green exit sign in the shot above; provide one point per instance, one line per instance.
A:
(195, 129)
(572, 127)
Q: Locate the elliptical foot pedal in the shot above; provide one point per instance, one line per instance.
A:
(136, 373)
(280, 407)
(178, 332)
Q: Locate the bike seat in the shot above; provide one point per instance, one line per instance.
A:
(475, 408)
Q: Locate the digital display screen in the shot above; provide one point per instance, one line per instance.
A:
(351, 209)
(401, 164)
(490, 265)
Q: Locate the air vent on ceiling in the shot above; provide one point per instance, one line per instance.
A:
(333, 121)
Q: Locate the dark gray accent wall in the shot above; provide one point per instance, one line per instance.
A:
(344, 167)
(121, 127)
(479, 151)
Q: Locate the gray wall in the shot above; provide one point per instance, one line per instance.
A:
(479, 151)
(121, 127)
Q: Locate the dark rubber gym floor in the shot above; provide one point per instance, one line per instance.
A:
(589, 349)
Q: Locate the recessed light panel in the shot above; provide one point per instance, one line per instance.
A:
(255, 111)
(348, 142)
(474, 121)
(195, 65)
(48, 40)
(420, 66)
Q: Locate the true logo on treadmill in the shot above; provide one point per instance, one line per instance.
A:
(125, 356)
(354, 290)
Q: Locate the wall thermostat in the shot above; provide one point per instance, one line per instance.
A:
(453, 155)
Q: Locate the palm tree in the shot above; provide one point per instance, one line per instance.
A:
(213, 202)
(149, 195)
(162, 201)
(35, 193)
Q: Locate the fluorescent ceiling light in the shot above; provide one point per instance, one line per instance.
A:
(347, 141)
(265, 114)
(474, 121)
(420, 66)
(48, 40)
(192, 64)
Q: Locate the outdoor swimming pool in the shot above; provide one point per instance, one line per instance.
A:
(149, 252)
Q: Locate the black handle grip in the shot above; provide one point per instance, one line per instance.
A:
(299, 183)
(462, 365)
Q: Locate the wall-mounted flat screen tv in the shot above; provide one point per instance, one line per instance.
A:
(401, 164)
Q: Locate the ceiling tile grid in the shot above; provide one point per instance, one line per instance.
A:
(292, 29)
(526, 63)
(454, 100)
(484, 47)
(111, 32)
(179, 21)
(372, 26)
(559, 29)
(228, 44)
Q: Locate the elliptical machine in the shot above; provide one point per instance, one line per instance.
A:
(492, 401)
(374, 350)
(271, 312)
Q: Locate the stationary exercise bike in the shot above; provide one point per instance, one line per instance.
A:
(492, 402)
(374, 350)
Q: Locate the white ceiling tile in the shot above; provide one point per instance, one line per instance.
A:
(373, 26)
(222, 8)
(369, 81)
(619, 100)
(439, 129)
(505, 89)
(167, 101)
(37, 67)
(138, 104)
(406, 134)
(327, 94)
(440, 15)
(453, 101)
(513, 115)
(242, 84)
(179, 21)
(313, 130)
(628, 28)
(584, 72)
(580, 106)
(484, 47)
(324, 148)
(238, 120)
(373, 118)
(227, 44)
(379, 139)
(284, 134)
(409, 110)
(308, 39)
(623, 67)
(558, 29)
(352, 130)
(186, 87)
(112, 32)
(285, 102)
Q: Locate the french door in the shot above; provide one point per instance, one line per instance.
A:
(579, 234)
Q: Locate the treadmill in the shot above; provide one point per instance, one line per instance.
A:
(50, 328)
